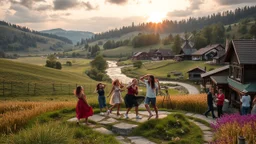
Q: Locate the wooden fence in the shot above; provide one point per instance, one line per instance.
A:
(10, 88)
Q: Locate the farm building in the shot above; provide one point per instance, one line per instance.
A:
(140, 56)
(156, 54)
(208, 53)
(241, 71)
(219, 59)
(186, 50)
(195, 74)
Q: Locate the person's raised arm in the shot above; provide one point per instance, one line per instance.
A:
(143, 78)
(158, 84)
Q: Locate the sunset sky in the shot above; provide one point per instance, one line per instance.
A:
(102, 15)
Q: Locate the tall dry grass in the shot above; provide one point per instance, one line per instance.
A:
(192, 103)
(14, 115)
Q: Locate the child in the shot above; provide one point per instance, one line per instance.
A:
(83, 109)
(116, 98)
(101, 97)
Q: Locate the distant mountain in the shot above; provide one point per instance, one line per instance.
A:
(18, 39)
(75, 36)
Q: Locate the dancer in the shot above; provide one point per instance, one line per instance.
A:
(152, 87)
(101, 97)
(210, 102)
(83, 109)
(246, 99)
(131, 100)
(220, 102)
(116, 98)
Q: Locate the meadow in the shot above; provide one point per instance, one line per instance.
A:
(162, 68)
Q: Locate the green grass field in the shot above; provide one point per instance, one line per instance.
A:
(22, 78)
(167, 67)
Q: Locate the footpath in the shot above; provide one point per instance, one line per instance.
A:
(121, 127)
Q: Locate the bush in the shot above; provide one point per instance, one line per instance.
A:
(48, 133)
(69, 63)
(168, 75)
(58, 65)
(137, 64)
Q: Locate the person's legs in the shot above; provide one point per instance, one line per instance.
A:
(247, 109)
(219, 111)
(212, 111)
(110, 109)
(153, 103)
(147, 102)
(118, 108)
(243, 110)
(137, 110)
(206, 113)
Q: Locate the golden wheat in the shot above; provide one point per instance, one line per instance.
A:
(16, 114)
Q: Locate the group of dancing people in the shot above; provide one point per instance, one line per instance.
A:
(131, 99)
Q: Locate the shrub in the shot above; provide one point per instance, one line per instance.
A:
(58, 65)
(69, 63)
(229, 127)
(137, 64)
(168, 75)
(47, 133)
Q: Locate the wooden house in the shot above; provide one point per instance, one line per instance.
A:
(239, 75)
(140, 56)
(195, 74)
(186, 51)
(163, 54)
(208, 53)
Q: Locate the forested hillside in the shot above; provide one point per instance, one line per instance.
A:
(15, 38)
(189, 25)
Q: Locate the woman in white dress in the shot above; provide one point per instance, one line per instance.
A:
(116, 98)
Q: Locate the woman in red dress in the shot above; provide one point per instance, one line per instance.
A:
(83, 109)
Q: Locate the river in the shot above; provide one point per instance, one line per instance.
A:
(114, 72)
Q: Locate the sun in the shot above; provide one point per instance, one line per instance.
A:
(156, 17)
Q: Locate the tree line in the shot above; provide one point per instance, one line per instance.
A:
(26, 29)
(173, 26)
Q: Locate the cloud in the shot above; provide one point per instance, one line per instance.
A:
(43, 7)
(68, 4)
(27, 3)
(24, 15)
(118, 2)
(194, 5)
(233, 2)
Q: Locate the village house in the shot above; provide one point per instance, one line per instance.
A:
(241, 74)
(140, 56)
(156, 54)
(187, 49)
(208, 53)
(195, 74)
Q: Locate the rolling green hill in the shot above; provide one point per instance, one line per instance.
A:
(75, 36)
(18, 76)
(13, 40)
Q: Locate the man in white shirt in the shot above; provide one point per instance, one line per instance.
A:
(246, 99)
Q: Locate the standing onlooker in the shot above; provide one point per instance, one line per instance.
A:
(83, 109)
(253, 112)
(220, 101)
(152, 87)
(210, 95)
(101, 97)
(246, 99)
(116, 98)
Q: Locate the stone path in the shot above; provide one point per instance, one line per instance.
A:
(122, 129)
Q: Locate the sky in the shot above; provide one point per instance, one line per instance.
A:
(102, 15)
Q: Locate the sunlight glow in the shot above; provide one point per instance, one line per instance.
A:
(156, 17)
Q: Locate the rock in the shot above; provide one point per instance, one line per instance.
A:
(103, 130)
(140, 140)
(122, 140)
(123, 128)
(108, 121)
(96, 118)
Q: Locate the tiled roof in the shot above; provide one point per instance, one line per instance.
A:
(215, 71)
(206, 49)
(245, 51)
